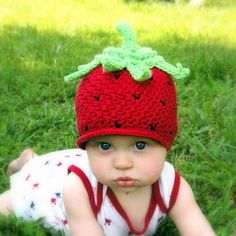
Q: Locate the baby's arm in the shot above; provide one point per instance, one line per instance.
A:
(80, 216)
(187, 215)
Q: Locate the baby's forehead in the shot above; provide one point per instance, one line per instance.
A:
(114, 138)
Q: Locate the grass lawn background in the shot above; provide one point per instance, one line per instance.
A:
(42, 41)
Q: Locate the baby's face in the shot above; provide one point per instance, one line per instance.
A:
(125, 163)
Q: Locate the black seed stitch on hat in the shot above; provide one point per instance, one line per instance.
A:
(169, 83)
(152, 127)
(163, 102)
(136, 96)
(97, 97)
(116, 74)
(117, 124)
(87, 78)
(86, 128)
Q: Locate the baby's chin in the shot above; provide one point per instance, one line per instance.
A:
(135, 189)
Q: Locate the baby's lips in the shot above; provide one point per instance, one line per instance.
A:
(125, 182)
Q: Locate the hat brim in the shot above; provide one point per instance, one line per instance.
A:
(81, 141)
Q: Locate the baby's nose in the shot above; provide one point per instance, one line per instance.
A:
(123, 161)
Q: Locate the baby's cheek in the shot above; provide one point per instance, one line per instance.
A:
(99, 170)
(153, 170)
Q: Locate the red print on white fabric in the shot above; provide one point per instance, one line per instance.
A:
(54, 201)
(36, 185)
(64, 222)
(27, 178)
(59, 164)
(107, 221)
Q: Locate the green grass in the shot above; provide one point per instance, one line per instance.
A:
(42, 41)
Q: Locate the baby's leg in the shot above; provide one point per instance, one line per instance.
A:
(5, 203)
(19, 162)
(14, 166)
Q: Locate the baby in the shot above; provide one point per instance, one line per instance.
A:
(118, 181)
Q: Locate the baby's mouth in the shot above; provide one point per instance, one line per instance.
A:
(125, 182)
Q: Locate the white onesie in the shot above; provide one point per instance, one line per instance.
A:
(36, 192)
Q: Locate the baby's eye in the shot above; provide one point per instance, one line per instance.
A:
(140, 145)
(104, 146)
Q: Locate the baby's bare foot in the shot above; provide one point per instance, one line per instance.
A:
(19, 162)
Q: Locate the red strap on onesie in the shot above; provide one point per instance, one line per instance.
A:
(173, 196)
(89, 188)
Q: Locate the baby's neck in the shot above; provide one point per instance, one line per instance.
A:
(135, 204)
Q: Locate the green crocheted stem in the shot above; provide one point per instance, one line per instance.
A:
(137, 60)
(128, 35)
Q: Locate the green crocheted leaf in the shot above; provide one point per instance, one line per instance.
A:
(137, 60)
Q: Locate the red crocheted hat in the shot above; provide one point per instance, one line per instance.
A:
(120, 96)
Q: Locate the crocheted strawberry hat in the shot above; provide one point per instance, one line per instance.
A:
(127, 91)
